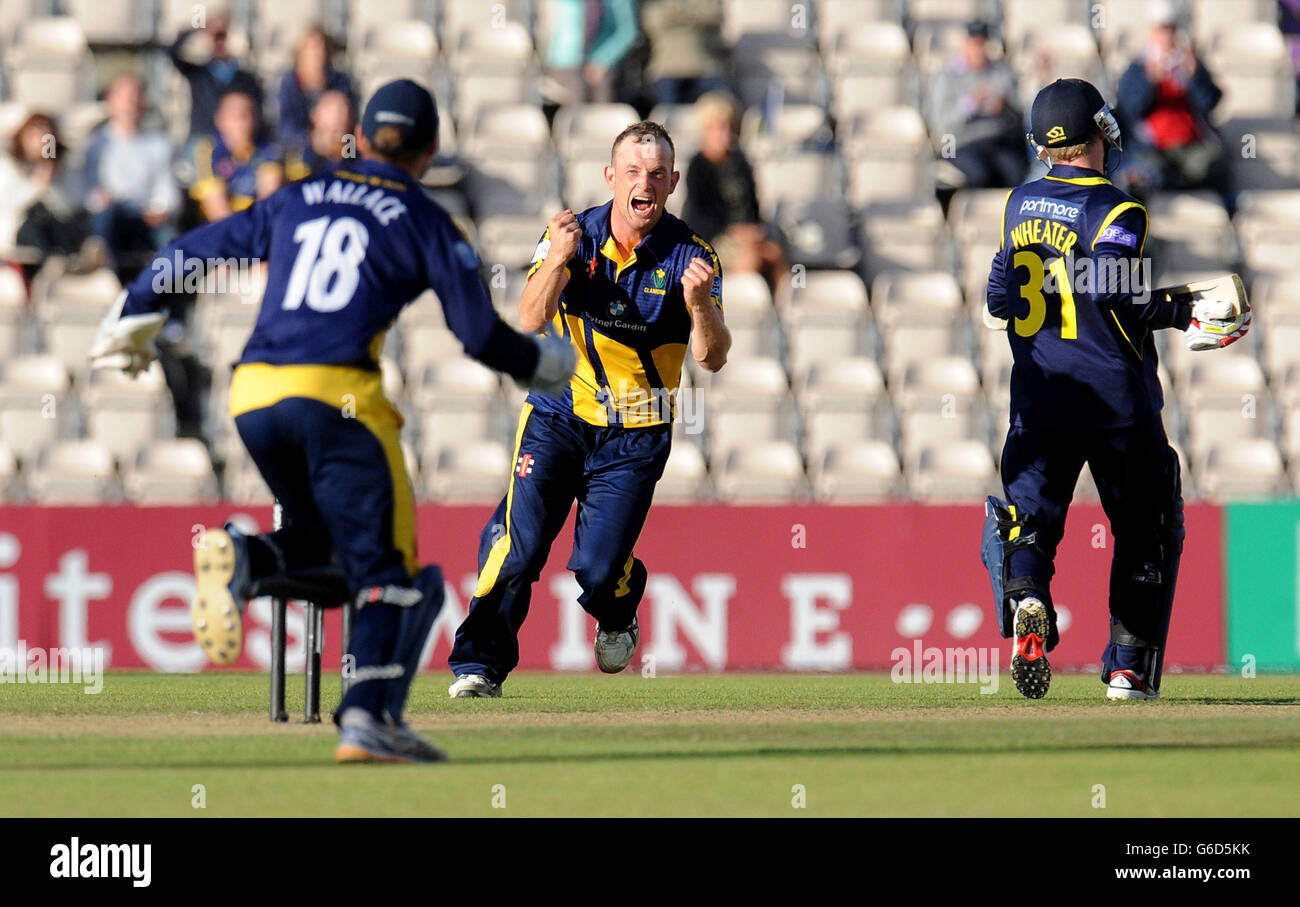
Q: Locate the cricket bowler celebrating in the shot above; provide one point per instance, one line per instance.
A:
(347, 250)
(631, 287)
(1084, 388)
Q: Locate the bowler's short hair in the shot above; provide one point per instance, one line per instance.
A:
(644, 131)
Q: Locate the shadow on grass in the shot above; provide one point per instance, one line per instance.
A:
(783, 752)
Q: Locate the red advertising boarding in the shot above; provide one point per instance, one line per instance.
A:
(811, 588)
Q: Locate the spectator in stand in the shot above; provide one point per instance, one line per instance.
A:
(210, 81)
(974, 112)
(722, 197)
(330, 141)
(589, 40)
(131, 194)
(236, 167)
(40, 199)
(312, 76)
(1165, 97)
(687, 54)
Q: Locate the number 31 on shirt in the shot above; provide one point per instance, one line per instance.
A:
(1032, 291)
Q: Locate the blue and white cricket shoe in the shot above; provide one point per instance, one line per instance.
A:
(364, 738)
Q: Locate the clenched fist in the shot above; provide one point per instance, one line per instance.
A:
(697, 283)
(565, 234)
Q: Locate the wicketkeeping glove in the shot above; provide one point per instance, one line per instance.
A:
(1216, 323)
(126, 342)
(556, 359)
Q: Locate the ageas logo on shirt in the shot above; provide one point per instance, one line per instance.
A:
(1119, 236)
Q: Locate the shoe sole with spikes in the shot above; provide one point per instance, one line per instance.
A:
(218, 623)
(1029, 666)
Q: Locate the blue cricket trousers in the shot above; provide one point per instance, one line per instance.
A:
(611, 472)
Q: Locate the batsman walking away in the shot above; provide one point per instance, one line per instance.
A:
(347, 250)
(1085, 389)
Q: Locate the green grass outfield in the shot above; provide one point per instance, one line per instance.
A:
(697, 745)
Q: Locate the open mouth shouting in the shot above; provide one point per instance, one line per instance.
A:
(643, 205)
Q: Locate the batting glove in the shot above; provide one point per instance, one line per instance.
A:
(1216, 323)
(556, 360)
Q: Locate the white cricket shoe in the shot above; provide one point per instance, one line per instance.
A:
(615, 650)
(1128, 685)
(474, 686)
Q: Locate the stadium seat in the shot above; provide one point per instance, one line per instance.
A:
(1191, 232)
(244, 486)
(492, 49)
(827, 319)
(172, 472)
(397, 49)
(507, 240)
(1225, 398)
(1119, 33)
(113, 21)
(975, 215)
(1022, 19)
(775, 63)
(889, 157)
(74, 473)
(1263, 153)
(685, 479)
(13, 314)
(799, 176)
(856, 472)
(995, 368)
(762, 472)
(1242, 468)
(938, 399)
(363, 16)
(837, 16)
(33, 403)
(1252, 65)
(588, 130)
(818, 232)
(467, 472)
(789, 130)
(461, 16)
(11, 487)
(748, 401)
(866, 46)
(519, 128)
(458, 381)
(1212, 18)
(750, 317)
(905, 236)
(842, 399)
(741, 17)
(503, 183)
(126, 414)
(954, 471)
(49, 67)
(1062, 51)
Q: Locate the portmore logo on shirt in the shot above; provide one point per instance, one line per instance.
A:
(1049, 207)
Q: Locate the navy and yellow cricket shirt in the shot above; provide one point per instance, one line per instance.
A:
(1080, 333)
(217, 167)
(628, 320)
